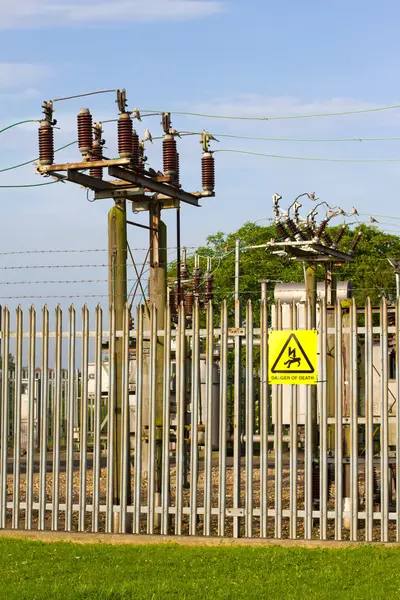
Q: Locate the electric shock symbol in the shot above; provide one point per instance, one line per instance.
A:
(293, 359)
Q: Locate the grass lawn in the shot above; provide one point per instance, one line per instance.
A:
(64, 571)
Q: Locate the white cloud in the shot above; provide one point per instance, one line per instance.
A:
(42, 13)
(16, 75)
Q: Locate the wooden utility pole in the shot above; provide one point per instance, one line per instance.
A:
(117, 292)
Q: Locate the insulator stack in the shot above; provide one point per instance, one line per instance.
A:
(355, 242)
(178, 174)
(189, 303)
(308, 232)
(85, 132)
(97, 152)
(327, 239)
(294, 230)
(135, 148)
(196, 280)
(209, 287)
(169, 155)
(46, 143)
(184, 272)
(321, 229)
(339, 236)
(281, 230)
(125, 136)
(172, 303)
(208, 172)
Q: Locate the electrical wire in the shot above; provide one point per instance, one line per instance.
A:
(19, 123)
(30, 162)
(27, 185)
(278, 118)
(308, 158)
(77, 250)
(280, 139)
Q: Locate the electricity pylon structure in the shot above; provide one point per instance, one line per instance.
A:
(129, 181)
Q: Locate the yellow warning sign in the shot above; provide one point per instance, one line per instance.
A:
(292, 357)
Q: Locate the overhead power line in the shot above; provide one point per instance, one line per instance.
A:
(310, 158)
(18, 123)
(277, 118)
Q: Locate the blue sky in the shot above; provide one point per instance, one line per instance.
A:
(225, 57)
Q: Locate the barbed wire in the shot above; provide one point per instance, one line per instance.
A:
(78, 250)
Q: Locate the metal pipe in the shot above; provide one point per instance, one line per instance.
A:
(397, 420)
(249, 421)
(264, 414)
(369, 416)
(208, 421)
(353, 421)
(223, 419)
(180, 417)
(138, 424)
(4, 417)
(70, 422)
(31, 417)
(165, 493)
(384, 425)
(237, 446)
(125, 417)
(43, 419)
(57, 421)
(277, 399)
(152, 420)
(83, 419)
(293, 441)
(17, 420)
(338, 427)
(97, 420)
(194, 452)
(112, 492)
(309, 437)
(323, 425)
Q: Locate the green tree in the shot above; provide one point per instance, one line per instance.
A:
(369, 272)
(11, 362)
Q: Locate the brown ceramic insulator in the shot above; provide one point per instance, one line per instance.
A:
(280, 229)
(178, 175)
(294, 230)
(135, 148)
(172, 302)
(209, 288)
(85, 131)
(46, 143)
(125, 136)
(321, 228)
(97, 154)
(327, 239)
(308, 232)
(196, 280)
(355, 242)
(340, 235)
(189, 303)
(184, 272)
(208, 172)
(169, 155)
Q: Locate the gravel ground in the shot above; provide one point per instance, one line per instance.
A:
(200, 500)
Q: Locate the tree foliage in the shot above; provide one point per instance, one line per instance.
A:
(370, 272)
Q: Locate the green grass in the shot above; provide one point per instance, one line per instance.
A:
(65, 571)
